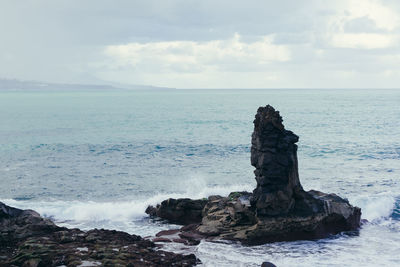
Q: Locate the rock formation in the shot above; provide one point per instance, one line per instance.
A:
(179, 211)
(278, 209)
(26, 239)
(274, 154)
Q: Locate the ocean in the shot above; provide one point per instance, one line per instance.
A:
(98, 158)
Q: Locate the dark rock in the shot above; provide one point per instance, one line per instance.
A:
(9, 212)
(179, 211)
(225, 219)
(276, 172)
(167, 232)
(26, 239)
(180, 240)
(186, 235)
(267, 264)
(189, 227)
(191, 236)
(278, 209)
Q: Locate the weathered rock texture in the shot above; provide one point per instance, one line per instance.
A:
(231, 219)
(274, 154)
(278, 209)
(179, 211)
(26, 239)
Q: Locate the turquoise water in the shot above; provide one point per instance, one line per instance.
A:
(96, 159)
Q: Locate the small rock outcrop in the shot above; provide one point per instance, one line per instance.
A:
(278, 209)
(179, 211)
(27, 239)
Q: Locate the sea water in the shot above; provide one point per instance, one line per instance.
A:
(98, 158)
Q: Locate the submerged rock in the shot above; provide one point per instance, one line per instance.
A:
(278, 209)
(26, 239)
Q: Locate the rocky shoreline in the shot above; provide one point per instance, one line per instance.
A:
(278, 209)
(29, 240)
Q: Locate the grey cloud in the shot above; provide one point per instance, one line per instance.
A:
(102, 22)
(294, 38)
(361, 25)
(64, 40)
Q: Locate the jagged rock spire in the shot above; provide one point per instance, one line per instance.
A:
(279, 208)
(274, 154)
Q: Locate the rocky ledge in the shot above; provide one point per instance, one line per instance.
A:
(27, 239)
(278, 209)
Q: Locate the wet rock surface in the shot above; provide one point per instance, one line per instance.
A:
(278, 209)
(179, 211)
(26, 239)
(274, 154)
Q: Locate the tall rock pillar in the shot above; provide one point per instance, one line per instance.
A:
(274, 154)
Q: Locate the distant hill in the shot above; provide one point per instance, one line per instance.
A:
(18, 85)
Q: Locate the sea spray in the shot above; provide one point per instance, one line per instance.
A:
(116, 211)
(108, 154)
(376, 207)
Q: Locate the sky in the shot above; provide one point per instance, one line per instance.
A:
(203, 43)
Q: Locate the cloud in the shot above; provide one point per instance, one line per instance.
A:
(188, 43)
(189, 56)
(187, 64)
(364, 40)
(384, 17)
(362, 25)
(372, 13)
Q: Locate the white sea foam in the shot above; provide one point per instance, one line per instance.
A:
(117, 211)
(126, 216)
(375, 207)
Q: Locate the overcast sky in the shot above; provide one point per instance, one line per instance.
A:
(203, 44)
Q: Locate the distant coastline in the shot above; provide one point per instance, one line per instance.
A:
(23, 85)
(20, 85)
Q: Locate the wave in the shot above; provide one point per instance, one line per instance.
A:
(117, 211)
(375, 208)
(145, 147)
(396, 210)
(352, 151)
(378, 207)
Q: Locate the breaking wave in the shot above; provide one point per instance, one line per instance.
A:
(118, 211)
